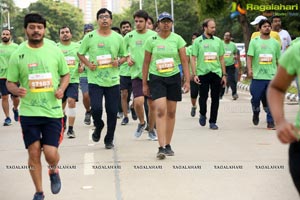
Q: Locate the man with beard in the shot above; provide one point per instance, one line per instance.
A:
(134, 42)
(284, 35)
(106, 53)
(42, 72)
(125, 78)
(6, 49)
(209, 70)
(262, 57)
(70, 50)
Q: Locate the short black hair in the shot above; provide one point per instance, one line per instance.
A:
(116, 29)
(197, 34)
(103, 10)
(124, 22)
(274, 17)
(65, 27)
(142, 14)
(34, 18)
(262, 22)
(151, 19)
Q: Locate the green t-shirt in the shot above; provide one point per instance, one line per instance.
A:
(5, 53)
(102, 50)
(290, 60)
(125, 70)
(188, 51)
(295, 40)
(230, 51)
(72, 60)
(84, 73)
(265, 53)
(134, 43)
(38, 70)
(165, 58)
(208, 52)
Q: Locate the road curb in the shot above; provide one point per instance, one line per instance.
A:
(288, 96)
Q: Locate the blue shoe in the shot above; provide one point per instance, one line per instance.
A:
(125, 121)
(140, 130)
(7, 122)
(152, 135)
(39, 196)
(202, 120)
(213, 126)
(55, 183)
(16, 114)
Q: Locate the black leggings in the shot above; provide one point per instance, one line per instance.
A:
(294, 163)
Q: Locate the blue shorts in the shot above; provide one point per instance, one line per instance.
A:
(48, 131)
(84, 86)
(125, 83)
(71, 92)
(3, 88)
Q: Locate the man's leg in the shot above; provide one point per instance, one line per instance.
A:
(34, 162)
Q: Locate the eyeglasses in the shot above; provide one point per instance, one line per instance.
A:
(104, 16)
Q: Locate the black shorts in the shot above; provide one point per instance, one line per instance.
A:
(71, 92)
(137, 87)
(48, 131)
(125, 83)
(169, 87)
(3, 89)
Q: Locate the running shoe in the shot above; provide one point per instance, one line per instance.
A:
(7, 122)
(55, 182)
(140, 129)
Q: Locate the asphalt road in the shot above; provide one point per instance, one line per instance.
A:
(239, 161)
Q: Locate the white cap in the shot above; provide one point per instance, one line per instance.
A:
(258, 19)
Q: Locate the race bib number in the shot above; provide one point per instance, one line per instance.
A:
(165, 65)
(265, 59)
(104, 61)
(40, 82)
(210, 57)
(70, 61)
(227, 54)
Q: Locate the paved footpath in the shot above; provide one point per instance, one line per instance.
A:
(237, 162)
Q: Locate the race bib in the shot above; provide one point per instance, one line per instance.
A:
(165, 65)
(104, 61)
(265, 59)
(210, 57)
(70, 61)
(40, 82)
(227, 54)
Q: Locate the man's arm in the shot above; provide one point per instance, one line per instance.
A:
(64, 82)
(276, 92)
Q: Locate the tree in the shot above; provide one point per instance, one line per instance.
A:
(186, 19)
(57, 14)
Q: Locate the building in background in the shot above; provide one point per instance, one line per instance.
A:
(90, 7)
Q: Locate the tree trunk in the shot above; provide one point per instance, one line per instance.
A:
(245, 27)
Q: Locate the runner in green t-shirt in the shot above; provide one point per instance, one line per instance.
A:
(164, 51)
(134, 42)
(231, 53)
(70, 49)
(41, 70)
(125, 82)
(83, 81)
(194, 91)
(287, 132)
(104, 47)
(6, 49)
(262, 57)
(208, 52)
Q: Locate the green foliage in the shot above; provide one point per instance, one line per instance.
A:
(186, 19)
(57, 14)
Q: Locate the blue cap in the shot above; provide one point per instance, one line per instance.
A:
(165, 15)
(88, 27)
